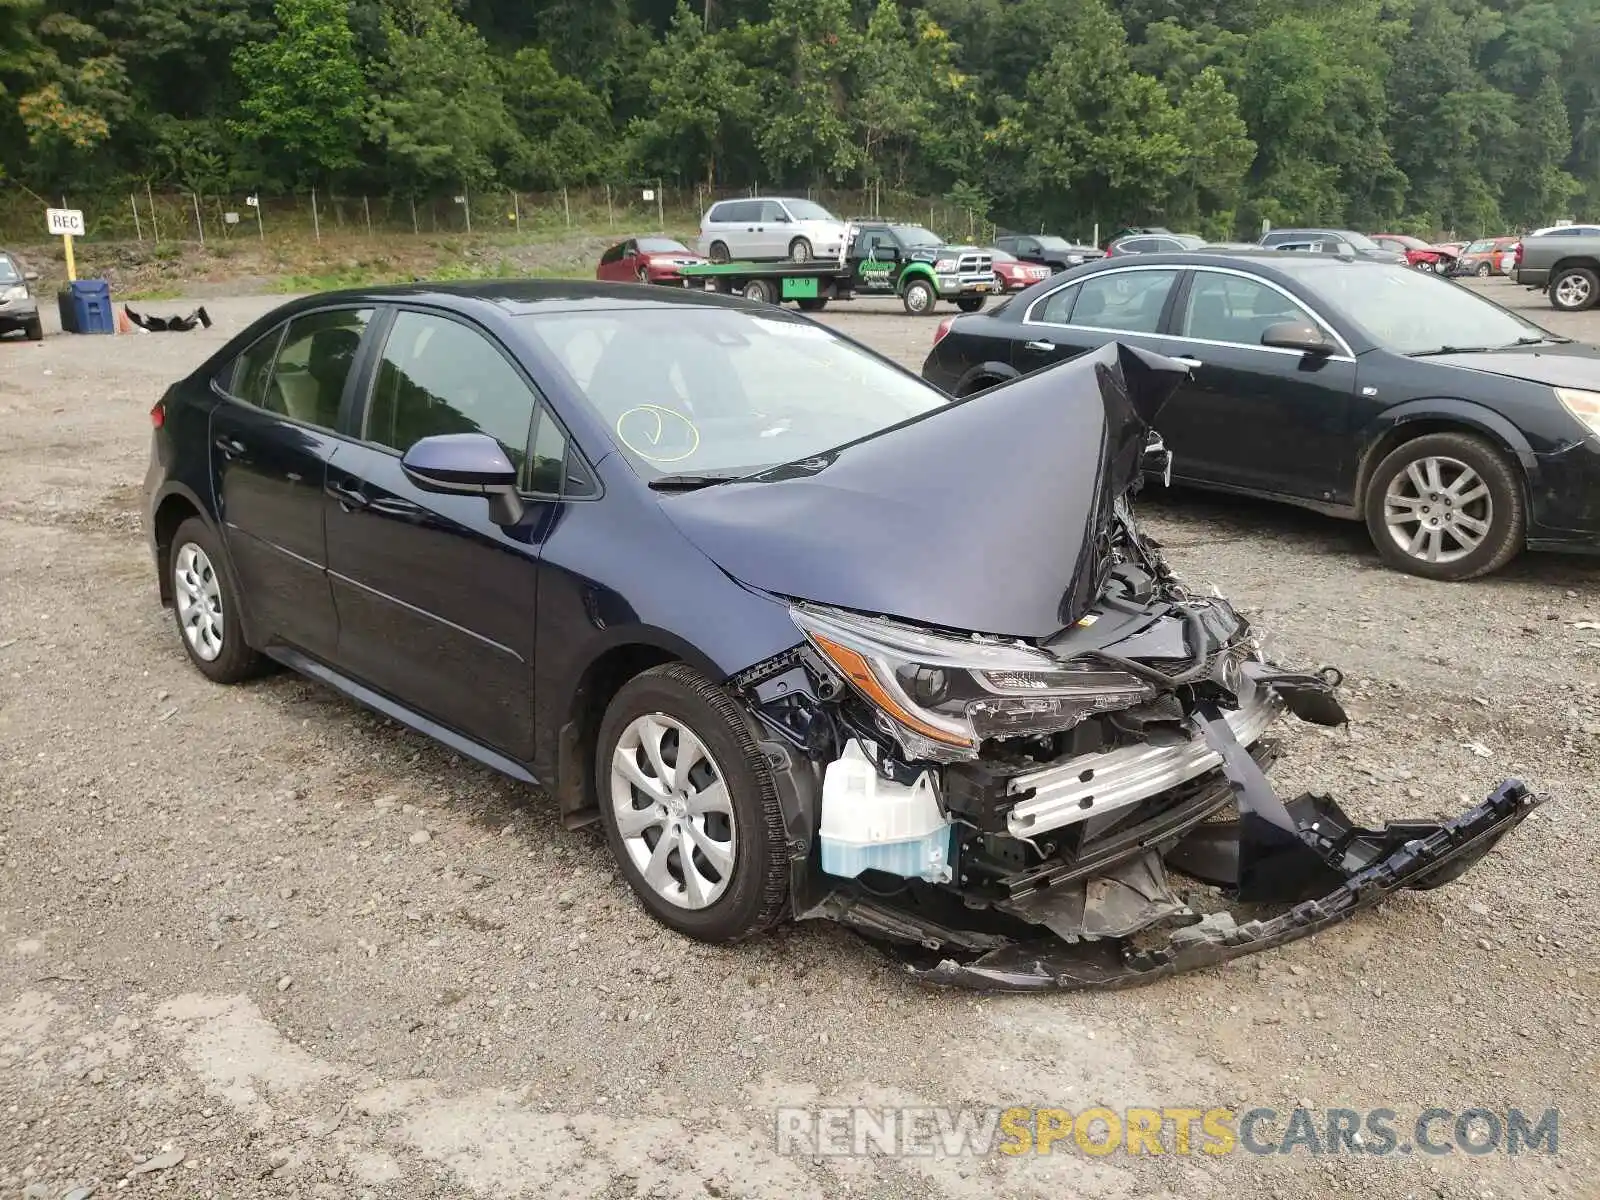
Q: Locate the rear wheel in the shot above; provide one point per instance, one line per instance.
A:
(800, 250)
(1574, 289)
(816, 304)
(719, 252)
(761, 291)
(204, 607)
(690, 807)
(35, 328)
(971, 303)
(919, 298)
(1446, 506)
(1484, 271)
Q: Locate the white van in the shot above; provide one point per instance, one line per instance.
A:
(770, 227)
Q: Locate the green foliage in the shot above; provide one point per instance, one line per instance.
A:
(303, 89)
(1420, 115)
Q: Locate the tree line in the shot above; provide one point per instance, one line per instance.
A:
(1428, 115)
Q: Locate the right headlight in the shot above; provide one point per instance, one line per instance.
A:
(941, 695)
(1585, 406)
(14, 293)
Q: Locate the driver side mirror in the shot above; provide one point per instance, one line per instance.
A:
(1297, 335)
(466, 464)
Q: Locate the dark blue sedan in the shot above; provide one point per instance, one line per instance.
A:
(805, 636)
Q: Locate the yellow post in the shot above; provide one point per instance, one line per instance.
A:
(72, 266)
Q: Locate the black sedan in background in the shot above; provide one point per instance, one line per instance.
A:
(1458, 431)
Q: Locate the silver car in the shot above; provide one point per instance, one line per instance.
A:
(770, 227)
(18, 307)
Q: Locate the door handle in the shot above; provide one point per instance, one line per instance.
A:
(1040, 345)
(349, 498)
(231, 447)
(1187, 360)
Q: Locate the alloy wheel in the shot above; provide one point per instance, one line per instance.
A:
(198, 595)
(1438, 510)
(1573, 291)
(672, 811)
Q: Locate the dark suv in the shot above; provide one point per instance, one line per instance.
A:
(19, 308)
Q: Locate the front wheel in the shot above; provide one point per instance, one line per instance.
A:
(800, 250)
(971, 303)
(919, 297)
(35, 329)
(719, 252)
(690, 807)
(1484, 271)
(1425, 265)
(1575, 289)
(204, 607)
(1446, 506)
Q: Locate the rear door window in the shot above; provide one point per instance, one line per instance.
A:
(245, 378)
(1127, 301)
(313, 365)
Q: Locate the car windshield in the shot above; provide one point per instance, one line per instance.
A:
(1188, 241)
(662, 246)
(806, 210)
(1480, 247)
(1054, 243)
(916, 235)
(999, 255)
(1412, 312)
(8, 270)
(714, 391)
(1361, 241)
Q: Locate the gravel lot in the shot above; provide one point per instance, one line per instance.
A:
(260, 942)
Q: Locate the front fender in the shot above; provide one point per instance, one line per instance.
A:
(1465, 413)
(915, 271)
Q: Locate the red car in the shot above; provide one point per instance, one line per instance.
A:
(1418, 253)
(1014, 274)
(647, 260)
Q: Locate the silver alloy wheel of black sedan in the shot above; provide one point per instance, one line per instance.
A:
(1438, 510)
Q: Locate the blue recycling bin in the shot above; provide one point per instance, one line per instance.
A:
(90, 304)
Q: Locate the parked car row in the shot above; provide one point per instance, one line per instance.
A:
(19, 307)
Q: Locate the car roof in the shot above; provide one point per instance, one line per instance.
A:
(517, 297)
(1266, 262)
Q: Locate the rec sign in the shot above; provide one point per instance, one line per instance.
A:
(63, 222)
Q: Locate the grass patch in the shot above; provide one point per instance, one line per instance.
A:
(154, 293)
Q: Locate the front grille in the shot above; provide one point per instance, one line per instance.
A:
(969, 263)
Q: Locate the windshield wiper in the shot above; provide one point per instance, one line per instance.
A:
(689, 483)
(1539, 341)
(1450, 350)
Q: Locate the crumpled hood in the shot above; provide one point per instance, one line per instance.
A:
(987, 515)
(1572, 365)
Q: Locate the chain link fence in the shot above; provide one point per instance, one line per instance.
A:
(146, 215)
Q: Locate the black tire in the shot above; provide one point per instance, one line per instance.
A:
(982, 383)
(813, 305)
(235, 661)
(972, 303)
(920, 298)
(1507, 512)
(719, 253)
(1574, 289)
(35, 329)
(800, 250)
(757, 890)
(761, 291)
(1484, 271)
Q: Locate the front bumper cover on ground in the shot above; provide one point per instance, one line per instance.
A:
(1306, 854)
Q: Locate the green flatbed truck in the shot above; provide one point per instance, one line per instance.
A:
(880, 258)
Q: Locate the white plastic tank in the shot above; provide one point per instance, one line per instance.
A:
(873, 823)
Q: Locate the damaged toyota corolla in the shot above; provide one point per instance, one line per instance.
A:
(806, 637)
